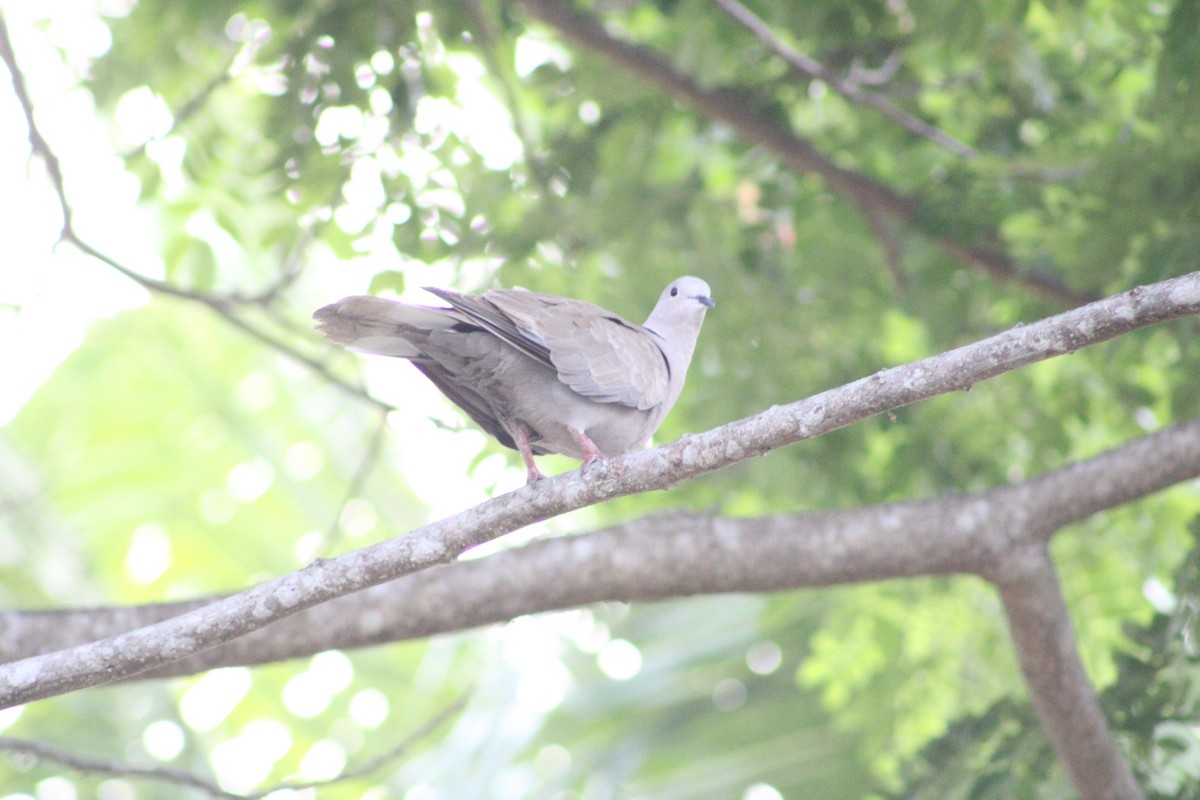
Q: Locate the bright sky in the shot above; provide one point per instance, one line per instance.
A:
(50, 323)
(47, 322)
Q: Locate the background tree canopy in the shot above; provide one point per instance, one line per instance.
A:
(863, 185)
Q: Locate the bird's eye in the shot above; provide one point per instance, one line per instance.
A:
(674, 291)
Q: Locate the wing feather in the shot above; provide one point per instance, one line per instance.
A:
(596, 353)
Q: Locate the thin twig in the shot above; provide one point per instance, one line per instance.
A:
(730, 105)
(811, 68)
(105, 766)
(850, 89)
(189, 108)
(314, 364)
(393, 755)
(226, 308)
(93, 765)
(293, 268)
(223, 305)
(487, 41)
(36, 141)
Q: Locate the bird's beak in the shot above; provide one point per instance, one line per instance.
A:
(705, 300)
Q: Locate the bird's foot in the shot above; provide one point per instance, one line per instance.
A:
(591, 453)
(520, 436)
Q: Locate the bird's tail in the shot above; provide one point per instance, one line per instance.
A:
(379, 326)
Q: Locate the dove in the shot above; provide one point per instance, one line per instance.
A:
(540, 373)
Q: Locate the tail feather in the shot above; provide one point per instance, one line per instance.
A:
(379, 326)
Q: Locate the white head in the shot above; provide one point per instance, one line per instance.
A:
(675, 324)
(681, 306)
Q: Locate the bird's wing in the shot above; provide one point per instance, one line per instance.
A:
(595, 352)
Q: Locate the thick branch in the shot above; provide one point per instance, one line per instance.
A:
(1062, 695)
(199, 630)
(672, 555)
(734, 108)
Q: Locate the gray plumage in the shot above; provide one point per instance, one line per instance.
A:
(540, 373)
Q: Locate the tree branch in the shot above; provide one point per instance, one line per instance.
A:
(128, 654)
(1000, 534)
(37, 142)
(193, 105)
(181, 778)
(811, 68)
(226, 306)
(105, 766)
(1062, 695)
(732, 107)
(671, 555)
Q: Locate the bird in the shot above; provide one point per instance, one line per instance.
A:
(538, 372)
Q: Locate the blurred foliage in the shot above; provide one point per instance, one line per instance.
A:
(382, 143)
(1153, 707)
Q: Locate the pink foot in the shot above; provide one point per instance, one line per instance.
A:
(591, 453)
(520, 436)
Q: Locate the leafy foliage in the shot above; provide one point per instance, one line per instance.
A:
(1153, 705)
(328, 147)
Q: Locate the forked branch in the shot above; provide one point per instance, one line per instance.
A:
(441, 542)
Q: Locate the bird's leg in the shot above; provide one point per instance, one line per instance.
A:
(591, 453)
(520, 436)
